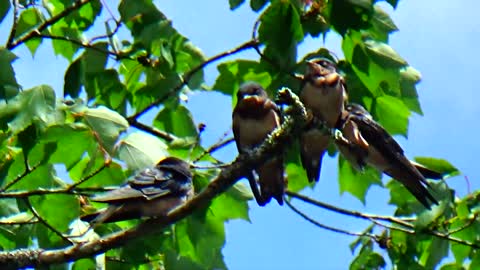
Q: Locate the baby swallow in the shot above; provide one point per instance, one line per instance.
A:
(254, 117)
(152, 192)
(364, 141)
(324, 95)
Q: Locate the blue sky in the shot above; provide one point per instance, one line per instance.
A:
(439, 38)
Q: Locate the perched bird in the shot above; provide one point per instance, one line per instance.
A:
(152, 192)
(324, 94)
(363, 141)
(254, 117)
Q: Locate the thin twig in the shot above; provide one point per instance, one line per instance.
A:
(216, 146)
(186, 78)
(88, 177)
(38, 30)
(15, 22)
(216, 166)
(445, 236)
(44, 222)
(27, 171)
(13, 223)
(466, 225)
(81, 44)
(348, 212)
(39, 192)
(326, 227)
(154, 131)
(118, 24)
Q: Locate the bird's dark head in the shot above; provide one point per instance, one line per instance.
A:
(320, 67)
(357, 109)
(175, 165)
(251, 89)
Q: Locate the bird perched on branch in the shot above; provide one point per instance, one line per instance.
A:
(255, 116)
(324, 94)
(364, 141)
(152, 192)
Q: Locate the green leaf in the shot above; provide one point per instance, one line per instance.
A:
(432, 252)
(350, 14)
(95, 61)
(235, 73)
(84, 17)
(378, 79)
(281, 30)
(409, 77)
(297, 178)
(58, 210)
(403, 199)
(314, 24)
(230, 205)
(137, 14)
(72, 141)
(427, 218)
(8, 83)
(140, 150)
(392, 114)
(206, 237)
(36, 105)
(241, 192)
(460, 252)
(108, 89)
(178, 121)
(73, 79)
(384, 55)
(27, 20)
(66, 48)
(438, 165)
(107, 125)
(84, 264)
(257, 5)
(354, 182)
(12, 237)
(367, 258)
(234, 4)
(112, 175)
(452, 266)
(382, 24)
(393, 3)
(27, 138)
(43, 176)
(4, 8)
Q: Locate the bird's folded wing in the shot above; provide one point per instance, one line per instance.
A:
(119, 195)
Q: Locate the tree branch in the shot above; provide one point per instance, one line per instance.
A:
(376, 220)
(80, 44)
(15, 22)
(280, 137)
(21, 176)
(37, 31)
(88, 177)
(154, 131)
(326, 227)
(44, 222)
(348, 212)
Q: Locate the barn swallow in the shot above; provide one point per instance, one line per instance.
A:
(255, 116)
(324, 95)
(152, 192)
(364, 141)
